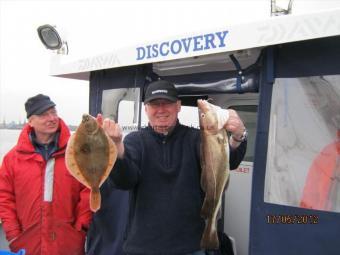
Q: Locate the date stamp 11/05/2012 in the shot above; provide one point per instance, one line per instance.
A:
(292, 219)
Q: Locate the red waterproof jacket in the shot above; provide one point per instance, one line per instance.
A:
(43, 208)
(319, 179)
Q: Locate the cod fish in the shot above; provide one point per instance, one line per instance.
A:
(90, 156)
(215, 170)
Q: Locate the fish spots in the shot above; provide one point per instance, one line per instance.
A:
(85, 148)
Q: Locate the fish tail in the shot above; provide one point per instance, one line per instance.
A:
(95, 199)
(209, 239)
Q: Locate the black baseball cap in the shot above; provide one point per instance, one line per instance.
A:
(161, 90)
(38, 104)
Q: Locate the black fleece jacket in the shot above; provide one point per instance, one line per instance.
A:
(163, 176)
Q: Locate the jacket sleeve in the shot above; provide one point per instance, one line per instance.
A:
(8, 213)
(126, 171)
(83, 211)
(237, 155)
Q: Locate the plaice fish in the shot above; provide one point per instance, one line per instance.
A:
(90, 156)
(215, 170)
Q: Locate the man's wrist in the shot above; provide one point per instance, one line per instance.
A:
(120, 150)
(241, 138)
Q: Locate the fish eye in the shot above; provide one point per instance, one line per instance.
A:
(202, 115)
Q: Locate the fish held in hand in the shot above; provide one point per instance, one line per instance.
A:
(90, 156)
(215, 169)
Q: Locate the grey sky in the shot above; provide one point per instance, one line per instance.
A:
(93, 27)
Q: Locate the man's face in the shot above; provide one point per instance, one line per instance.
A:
(46, 123)
(162, 114)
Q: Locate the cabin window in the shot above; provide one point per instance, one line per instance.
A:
(189, 116)
(127, 118)
(122, 105)
(303, 159)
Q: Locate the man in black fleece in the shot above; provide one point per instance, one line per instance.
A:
(160, 165)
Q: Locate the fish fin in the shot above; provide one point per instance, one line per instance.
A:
(95, 199)
(203, 169)
(221, 140)
(71, 163)
(207, 208)
(209, 240)
(227, 183)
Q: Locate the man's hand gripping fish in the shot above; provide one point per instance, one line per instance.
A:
(90, 156)
(215, 168)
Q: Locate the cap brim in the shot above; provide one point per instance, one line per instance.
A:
(172, 99)
(43, 109)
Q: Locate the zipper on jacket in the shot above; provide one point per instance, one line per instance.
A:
(46, 151)
(165, 153)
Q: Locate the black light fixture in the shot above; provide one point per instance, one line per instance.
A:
(51, 39)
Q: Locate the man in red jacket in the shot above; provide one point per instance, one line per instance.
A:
(43, 208)
(322, 187)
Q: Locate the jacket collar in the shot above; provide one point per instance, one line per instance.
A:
(53, 143)
(162, 136)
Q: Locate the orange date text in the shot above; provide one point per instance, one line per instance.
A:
(292, 219)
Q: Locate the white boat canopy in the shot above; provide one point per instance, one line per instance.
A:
(203, 49)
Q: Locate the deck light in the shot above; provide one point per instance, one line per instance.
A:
(50, 37)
